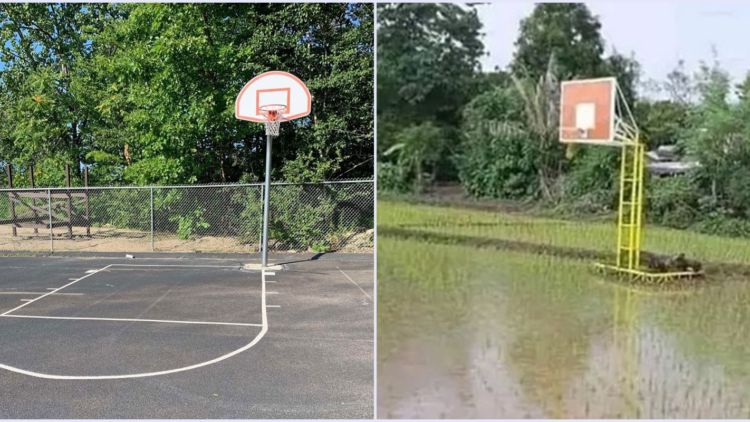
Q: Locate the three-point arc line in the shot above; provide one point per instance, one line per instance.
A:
(261, 334)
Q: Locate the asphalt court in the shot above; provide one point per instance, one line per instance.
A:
(93, 336)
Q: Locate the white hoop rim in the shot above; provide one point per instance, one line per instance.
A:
(273, 107)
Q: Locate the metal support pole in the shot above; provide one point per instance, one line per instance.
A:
(260, 232)
(152, 219)
(49, 208)
(88, 204)
(266, 196)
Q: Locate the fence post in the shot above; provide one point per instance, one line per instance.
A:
(152, 218)
(49, 209)
(11, 196)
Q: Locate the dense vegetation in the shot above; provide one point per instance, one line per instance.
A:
(442, 119)
(144, 93)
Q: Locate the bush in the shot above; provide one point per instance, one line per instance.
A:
(393, 178)
(495, 158)
(719, 223)
(495, 167)
(315, 217)
(590, 186)
(414, 157)
(672, 201)
(188, 225)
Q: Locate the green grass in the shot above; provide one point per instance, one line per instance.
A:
(593, 235)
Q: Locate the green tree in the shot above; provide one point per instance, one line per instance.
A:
(627, 71)
(566, 30)
(719, 139)
(184, 65)
(428, 55)
(144, 93)
(661, 122)
(541, 99)
(46, 113)
(428, 60)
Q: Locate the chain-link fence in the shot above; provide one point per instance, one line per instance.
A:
(318, 217)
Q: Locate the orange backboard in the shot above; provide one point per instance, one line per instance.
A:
(587, 111)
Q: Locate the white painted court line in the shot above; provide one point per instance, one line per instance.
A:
(258, 266)
(40, 293)
(355, 283)
(261, 334)
(89, 274)
(236, 267)
(167, 321)
(273, 306)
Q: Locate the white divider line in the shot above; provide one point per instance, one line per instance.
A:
(166, 321)
(273, 293)
(355, 283)
(56, 290)
(273, 306)
(261, 334)
(233, 267)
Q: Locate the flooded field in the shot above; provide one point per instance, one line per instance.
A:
(466, 332)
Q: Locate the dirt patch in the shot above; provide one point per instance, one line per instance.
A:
(359, 242)
(111, 239)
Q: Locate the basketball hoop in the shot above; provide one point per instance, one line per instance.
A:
(594, 111)
(574, 133)
(270, 98)
(274, 114)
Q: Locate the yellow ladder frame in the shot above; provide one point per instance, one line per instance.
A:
(630, 208)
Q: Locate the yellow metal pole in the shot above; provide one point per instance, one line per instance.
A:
(639, 216)
(633, 206)
(620, 207)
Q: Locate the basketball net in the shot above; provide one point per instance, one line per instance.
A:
(273, 123)
(273, 114)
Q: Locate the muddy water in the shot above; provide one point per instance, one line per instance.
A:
(466, 333)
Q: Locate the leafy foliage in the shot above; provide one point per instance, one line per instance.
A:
(496, 159)
(428, 57)
(566, 30)
(144, 93)
(418, 149)
(190, 224)
(508, 145)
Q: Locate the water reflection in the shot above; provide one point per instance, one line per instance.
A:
(513, 335)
